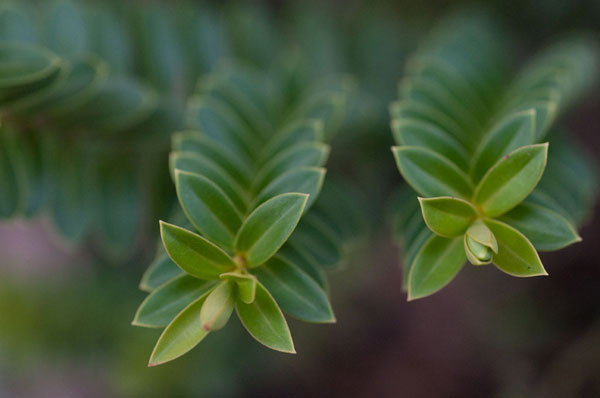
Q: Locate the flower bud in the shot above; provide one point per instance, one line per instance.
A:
(481, 253)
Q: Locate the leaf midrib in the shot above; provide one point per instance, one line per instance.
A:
(440, 256)
(288, 288)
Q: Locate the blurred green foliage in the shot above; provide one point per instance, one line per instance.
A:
(142, 60)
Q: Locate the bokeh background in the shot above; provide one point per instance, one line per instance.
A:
(65, 308)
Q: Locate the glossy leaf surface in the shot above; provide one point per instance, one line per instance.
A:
(516, 255)
(265, 322)
(436, 264)
(193, 253)
(511, 180)
(447, 216)
(295, 291)
(268, 227)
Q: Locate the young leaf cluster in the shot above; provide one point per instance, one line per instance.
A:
(246, 174)
(468, 144)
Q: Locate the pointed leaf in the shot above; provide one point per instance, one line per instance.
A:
(199, 164)
(436, 264)
(301, 131)
(302, 259)
(181, 335)
(317, 238)
(246, 285)
(163, 304)
(509, 134)
(303, 154)
(447, 216)
(306, 180)
(430, 174)
(220, 124)
(546, 229)
(265, 322)
(160, 271)
(195, 142)
(208, 208)
(413, 132)
(268, 227)
(194, 254)
(410, 250)
(25, 68)
(511, 180)
(516, 255)
(295, 291)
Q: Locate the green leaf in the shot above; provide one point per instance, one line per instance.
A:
(509, 134)
(208, 208)
(436, 264)
(410, 250)
(119, 214)
(118, 104)
(222, 125)
(295, 291)
(319, 239)
(193, 253)
(244, 97)
(516, 255)
(72, 192)
(325, 106)
(302, 259)
(546, 229)
(447, 216)
(265, 322)
(413, 132)
(295, 133)
(195, 142)
(570, 182)
(268, 227)
(181, 335)
(160, 271)
(246, 285)
(37, 162)
(162, 305)
(8, 175)
(303, 154)
(111, 41)
(430, 174)
(218, 307)
(25, 69)
(420, 111)
(15, 24)
(199, 164)
(66, 31)
(306, 180)
(511, 179)
(85, 75)
(160, 50)
(425, 92)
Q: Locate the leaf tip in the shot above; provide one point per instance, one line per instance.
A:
(410, 297)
